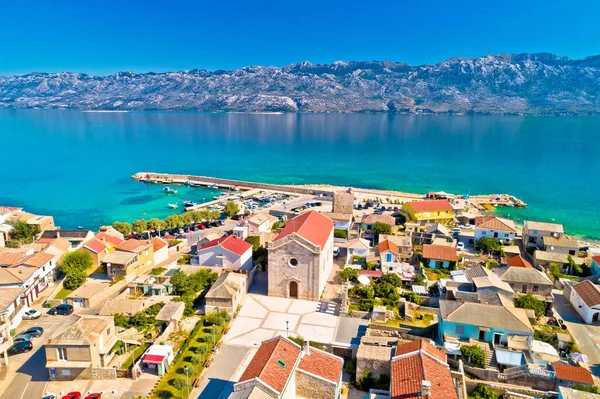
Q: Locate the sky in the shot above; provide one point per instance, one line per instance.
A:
(104, 37)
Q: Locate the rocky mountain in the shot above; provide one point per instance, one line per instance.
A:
(537, 84)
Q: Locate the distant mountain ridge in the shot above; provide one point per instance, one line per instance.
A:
(529, 84)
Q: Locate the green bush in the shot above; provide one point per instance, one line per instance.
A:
(418, 279)
(530, 302)
(349, 274)
(489, 244)
(381, 228)
(361, 292)
(216, 318)
(158, 271)
(586, 388)
(483, 392)
(300, 341)
(255, 241)
(76, 261)
(74, 280)
(178, 383)
(366, 305)
(391, 278)
(337, 233)
(413, 297)
(473, 354)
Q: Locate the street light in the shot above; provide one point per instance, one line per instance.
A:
(287, 327)
(187, 383)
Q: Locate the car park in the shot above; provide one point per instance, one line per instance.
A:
(62, 309)
(32, 314)
(20, 347)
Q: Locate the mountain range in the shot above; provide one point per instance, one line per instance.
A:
(528, 84)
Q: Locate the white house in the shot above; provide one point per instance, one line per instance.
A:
(342, 221)
(563, 245)
(260, 223)
(585, 299)
(502, 229)
(228, 252)
(391, 258)
(161, 250)
(534, 232)
(358, 247)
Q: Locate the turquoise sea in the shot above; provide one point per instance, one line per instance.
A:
(77, 165)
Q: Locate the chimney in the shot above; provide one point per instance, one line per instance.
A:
(425, 388)
(306, 348)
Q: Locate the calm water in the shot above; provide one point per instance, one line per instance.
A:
(77, 166)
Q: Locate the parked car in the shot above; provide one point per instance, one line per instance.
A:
(72, 395)
(336, 252)
(94, 396)
(32, 314)
(20, 347)
(35, 332)
(460, 246)
(49, 396)
(62, 309)
(21, 338)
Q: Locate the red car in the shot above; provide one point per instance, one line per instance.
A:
(72, 395)
(94, 396)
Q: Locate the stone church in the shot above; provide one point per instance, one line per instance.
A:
(301, 257)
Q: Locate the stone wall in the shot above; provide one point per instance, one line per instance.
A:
(308, 386)
(343, 201)
(377, 367)
(503, 388)
(106, 293)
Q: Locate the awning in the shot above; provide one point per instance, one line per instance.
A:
(452, 348)
(153, 359)
(509, 358)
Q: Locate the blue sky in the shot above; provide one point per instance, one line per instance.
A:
(103, 37)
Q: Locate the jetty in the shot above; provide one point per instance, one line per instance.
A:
(245, 189)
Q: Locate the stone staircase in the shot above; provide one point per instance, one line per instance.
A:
(490, 357)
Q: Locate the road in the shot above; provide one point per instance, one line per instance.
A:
(587, 336)
(28, 369)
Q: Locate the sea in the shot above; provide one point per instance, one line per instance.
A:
(77, 166)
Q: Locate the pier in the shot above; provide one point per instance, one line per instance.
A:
(247, 189)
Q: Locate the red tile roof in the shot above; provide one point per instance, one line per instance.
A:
(95, 245)
(38, 259)
(588, 292)
(266, 363)
(431, 205)
(45, 240)
(518, 261)
(375, 218)
(11, 258)
(109, 239)
(387, 245)
(416, 362)
(573, 373)
(421, 344)
(230, 243)
(323, 364)
(370, 273)
(596, 259)
(439, 252)
(312, 226)
(158, 244)
(133, 245)
(495, 223)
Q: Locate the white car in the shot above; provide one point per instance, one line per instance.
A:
(460, 246)
(31, 314)
(336, 252)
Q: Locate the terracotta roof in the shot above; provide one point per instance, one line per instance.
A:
(387, 245)
(11, 258)
(420, 344)
(312, 226)
(414, 363)
(370, 273)
(230, 243)
(61, 244)
(518, 261)
(588, 292)
(47, 240)
(95, 245)
(273, 363)
(573, 373)
(109, 238)
(158, 243)
(133, 245)
(439, 252)
(375, 218)
(15, 275)
(431, 205)
(495, 223)
(323, 364)
(38, 259)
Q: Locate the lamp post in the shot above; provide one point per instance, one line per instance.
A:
(287, 327)
(187, 383)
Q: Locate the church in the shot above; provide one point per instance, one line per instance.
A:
(301, 257)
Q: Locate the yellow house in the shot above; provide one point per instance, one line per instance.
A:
(131, 257)
(428, 211)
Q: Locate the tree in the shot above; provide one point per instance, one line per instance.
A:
(555, 271)
(413, 297)
(255, 241)
(349, 274)
(76, 261)
(473, 354)
(172, 222)
(387, 291)
(178, 383)
(24, 233)
(381, 228)
(12, 244)
(482, 391)
(530, 302)
(391, 278)
(186, 218)
(418, 279)
(74, 279)
(140, 226)
(489, 244)
(338, 233)
(574, 268)
(123, 228)
(231, 209)
(156, 224)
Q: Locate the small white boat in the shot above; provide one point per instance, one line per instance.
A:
(172, 206)
(169, 190)
(213, 186)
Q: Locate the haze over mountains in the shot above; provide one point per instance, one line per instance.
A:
(531, 84)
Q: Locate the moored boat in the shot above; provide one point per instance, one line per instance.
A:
(169, 190)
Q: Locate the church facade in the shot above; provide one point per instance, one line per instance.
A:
(301, 257)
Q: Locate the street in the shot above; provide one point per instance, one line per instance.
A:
(587, 336)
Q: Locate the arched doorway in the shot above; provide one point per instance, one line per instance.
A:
(293, 289)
